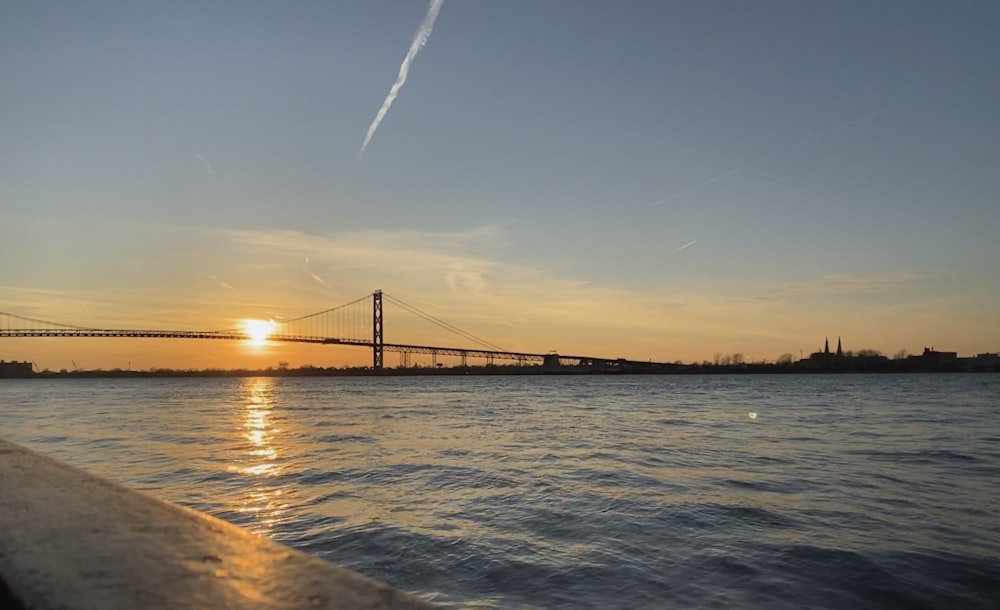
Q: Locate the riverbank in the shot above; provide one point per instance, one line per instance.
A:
(74, 541)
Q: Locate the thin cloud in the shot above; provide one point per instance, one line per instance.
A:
(842, 283)
(468, 282)
(419, 40)
(368, 247)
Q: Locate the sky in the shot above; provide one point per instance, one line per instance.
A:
(642, 179)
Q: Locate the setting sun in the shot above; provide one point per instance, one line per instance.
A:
(258, 330)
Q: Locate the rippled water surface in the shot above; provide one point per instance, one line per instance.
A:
(841, 491)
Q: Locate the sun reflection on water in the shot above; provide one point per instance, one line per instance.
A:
(259, 459)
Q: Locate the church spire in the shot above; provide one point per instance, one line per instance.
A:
(826, 345)
(840, 352)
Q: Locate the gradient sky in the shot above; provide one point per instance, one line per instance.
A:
(643, 179)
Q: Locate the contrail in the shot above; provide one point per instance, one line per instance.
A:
(306, 268)
(666, 199)
(218, 281)
(419, 40)
(870, 115)
(690, 243)
(723, 176)
(732, 172)
(208, 166)
(317, 278)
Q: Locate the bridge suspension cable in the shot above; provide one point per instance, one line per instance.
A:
(11, 322)
(445, 325)
(363, 299)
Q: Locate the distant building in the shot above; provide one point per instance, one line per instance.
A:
(863, 360)
(9, 370)
(933, 359)
(826, 357)
(981, 362)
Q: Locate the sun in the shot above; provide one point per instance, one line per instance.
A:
(258, 330)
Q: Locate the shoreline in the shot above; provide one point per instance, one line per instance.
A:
(487, 371)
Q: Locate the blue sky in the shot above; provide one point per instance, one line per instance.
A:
(831, 169)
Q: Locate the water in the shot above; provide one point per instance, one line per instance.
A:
(849, 491)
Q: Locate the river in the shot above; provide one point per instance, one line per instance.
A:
(755, 491)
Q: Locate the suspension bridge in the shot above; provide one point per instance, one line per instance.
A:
(358, 323)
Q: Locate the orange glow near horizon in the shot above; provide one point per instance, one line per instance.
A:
(258, 331)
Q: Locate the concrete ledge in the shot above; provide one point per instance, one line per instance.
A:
(73, 541)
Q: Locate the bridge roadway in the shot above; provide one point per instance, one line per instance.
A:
(237, 335)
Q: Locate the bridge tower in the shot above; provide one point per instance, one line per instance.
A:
(377, 351)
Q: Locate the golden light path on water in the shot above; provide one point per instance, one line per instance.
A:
(259, 455)
(270, 449)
